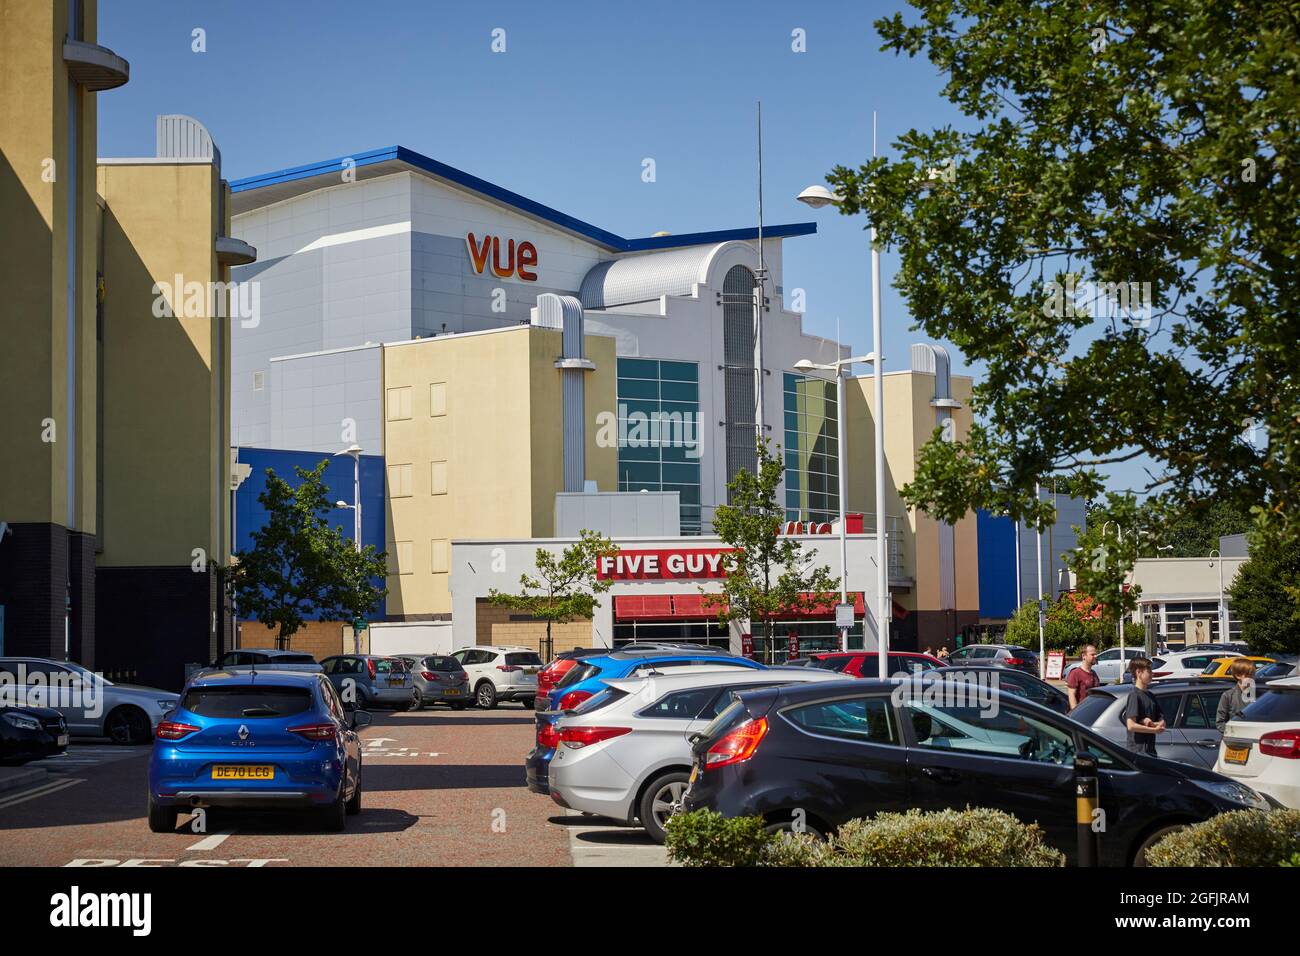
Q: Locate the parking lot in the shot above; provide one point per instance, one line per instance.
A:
(442, 788)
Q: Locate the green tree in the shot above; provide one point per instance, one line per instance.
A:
(564, 587)
(1140, 147)
(766, 577)
(1265, 597)
(1193, 532)
(1070, 623)
(299, 566)
(1118, 532)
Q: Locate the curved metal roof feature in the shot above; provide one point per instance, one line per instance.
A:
(645, 278)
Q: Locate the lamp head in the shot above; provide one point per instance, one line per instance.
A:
(818, 196)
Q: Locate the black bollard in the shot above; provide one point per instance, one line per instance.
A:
(1085, 801)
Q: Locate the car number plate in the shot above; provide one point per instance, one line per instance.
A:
(1236, 754)
(244, 772)
(451, 692)
(395, 682)
(62, 740)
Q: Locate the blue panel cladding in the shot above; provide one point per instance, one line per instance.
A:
(250, 515)
(997, 564)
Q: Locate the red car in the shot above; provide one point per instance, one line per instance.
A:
(866, 663)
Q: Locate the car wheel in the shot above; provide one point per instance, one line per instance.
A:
(353, 806)
(127, 725)
(787, 826)
(486, 694)
(334, 817)
(162, 819)
(1140, 857)
(658, 801)
(417, 701)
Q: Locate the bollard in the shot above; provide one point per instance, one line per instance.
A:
(1085, 801)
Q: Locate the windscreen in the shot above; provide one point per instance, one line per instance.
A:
(247, 702)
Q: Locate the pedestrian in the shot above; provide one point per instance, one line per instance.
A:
(943, 653)
(1142, 714)
(1083, 678)
(1234, 701)
(929, 650)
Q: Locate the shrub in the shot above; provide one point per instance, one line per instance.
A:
(971, 837)
(705, 838)
(1238, 838)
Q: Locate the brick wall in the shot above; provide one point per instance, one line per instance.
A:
(499, 625)
(320, 639)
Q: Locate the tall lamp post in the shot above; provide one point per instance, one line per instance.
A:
(354, 452)
(840, 368)
(816, 197)
(1216, 557)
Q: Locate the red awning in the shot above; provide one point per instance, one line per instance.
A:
(643, 607)
(671, 607)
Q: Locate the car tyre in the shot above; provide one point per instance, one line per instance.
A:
(334, 817)
(486, 695)
(353, 806)
(127, 725)
(787, 826)
(162, 819)
(1140, 857)
(417, 701)
(656, 803)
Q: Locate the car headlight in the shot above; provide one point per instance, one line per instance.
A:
(22, 721)
(1236, 792)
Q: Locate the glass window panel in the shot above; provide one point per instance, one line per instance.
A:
(679, 371)
(638, 368)
(637, 388)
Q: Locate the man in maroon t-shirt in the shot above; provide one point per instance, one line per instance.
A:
(1082, 679)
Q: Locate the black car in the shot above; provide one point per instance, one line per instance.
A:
(842, 751)
(1011, 680)
(30, 733)
(997, 655)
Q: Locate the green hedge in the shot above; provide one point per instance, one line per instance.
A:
(1239, 838)
(971, 837)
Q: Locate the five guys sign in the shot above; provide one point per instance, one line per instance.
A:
(663, 565)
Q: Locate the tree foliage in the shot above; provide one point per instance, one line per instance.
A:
(766, 574)
(1113, 143)
(1072, 620)
(1265, 597)
(300, 567)
(565, 587)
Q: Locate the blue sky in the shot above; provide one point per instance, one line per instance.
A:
(584, 92)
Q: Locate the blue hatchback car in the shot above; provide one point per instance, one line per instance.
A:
(257, 740)
(587, 679)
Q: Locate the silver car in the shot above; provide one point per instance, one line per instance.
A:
(1189, 708)
(624, 753)
(92, 705)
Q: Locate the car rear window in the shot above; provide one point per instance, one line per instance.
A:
(837, 664)
(733, 714)
(576, 675)
(247, 702)
(528, 659)
(391, 665)
(293, 659)
(1275, 707)
(441, 664)
(598, 700)
(1093, 706)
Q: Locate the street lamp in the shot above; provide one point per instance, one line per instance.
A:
(1119, 537)
(817, 197)
(839, 367)
(1217, 554)
(354, 452)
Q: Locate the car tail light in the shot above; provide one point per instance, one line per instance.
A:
(548, 737)
(1015, 661)
(171, 730)
(509, 667)
(1161, 673)
(430, 675)
(1281, 743)
(550, 675)
(737, 746)
(573, 698)
(370, 666)
(577, 737)
(315, 731)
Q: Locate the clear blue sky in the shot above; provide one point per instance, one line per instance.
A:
(584, 92)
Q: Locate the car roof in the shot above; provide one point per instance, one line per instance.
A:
(663, 653)
(512, 648)
(1285, 683)
(254, 678)
(264, 650)
(711, 675)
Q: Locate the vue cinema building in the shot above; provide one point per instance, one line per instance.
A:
(114, 492)
(509, 363)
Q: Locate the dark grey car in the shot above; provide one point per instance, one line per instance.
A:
(439, 679)
(367, 680)
(997, 655)
(1189, 707)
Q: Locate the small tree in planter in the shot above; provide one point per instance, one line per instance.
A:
(565, 587)
(766, 579)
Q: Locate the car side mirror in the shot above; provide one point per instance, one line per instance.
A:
(360, 719)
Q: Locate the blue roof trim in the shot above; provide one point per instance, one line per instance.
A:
(523, 203)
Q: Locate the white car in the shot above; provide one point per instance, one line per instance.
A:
(1184, 664)
(625, 753)
(1261, 748)
(500, 672)
(1109, 668)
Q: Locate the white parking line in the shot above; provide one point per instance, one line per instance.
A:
(211, 842)
(43, 790)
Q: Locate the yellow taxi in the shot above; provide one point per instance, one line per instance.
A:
(1217, 669)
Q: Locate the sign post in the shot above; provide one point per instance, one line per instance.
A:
(1055, 664)
(844, 622)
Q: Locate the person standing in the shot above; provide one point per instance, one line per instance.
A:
(1143, 717)
(1234, 701)
(1083, 678)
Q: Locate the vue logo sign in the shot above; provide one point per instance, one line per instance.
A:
(519, 260)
